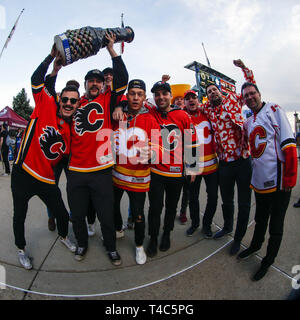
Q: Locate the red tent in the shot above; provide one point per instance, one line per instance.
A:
(12, 119)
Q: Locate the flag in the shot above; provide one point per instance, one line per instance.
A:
(122, 43)
(11, 33)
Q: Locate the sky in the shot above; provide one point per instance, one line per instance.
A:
(265, 34)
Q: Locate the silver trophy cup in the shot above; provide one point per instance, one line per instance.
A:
(87, 41)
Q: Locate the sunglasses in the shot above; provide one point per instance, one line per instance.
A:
(66, 99)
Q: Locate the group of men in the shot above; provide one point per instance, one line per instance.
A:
(155, 150)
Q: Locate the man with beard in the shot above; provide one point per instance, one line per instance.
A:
(91, 161)
(225, 115)
(45, 141)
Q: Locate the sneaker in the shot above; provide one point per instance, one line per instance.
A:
(67, 242)
(91, 230)
(220, 234)
(130, 223)
(51, 224)
(235, 248)
(120, 234)
(114, 258)
(165, 242)
(207, 233)
(183, 218)
(246, 253)
(24, 259)
(140, 255)
(190, 231)
(152, 247)
(5, 174)
(80, 253)
(261, 272)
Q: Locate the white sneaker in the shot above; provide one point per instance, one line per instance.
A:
(91, 230)
(24, 259)
(120, 234)
(4, 174)
(140, 255)
(67, 242)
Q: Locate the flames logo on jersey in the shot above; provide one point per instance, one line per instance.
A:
(89, 118)
(171, 135)
(52, 143)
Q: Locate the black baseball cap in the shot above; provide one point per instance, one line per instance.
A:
(95, 73)
(108, 70)
(160, 85)
(137, 83)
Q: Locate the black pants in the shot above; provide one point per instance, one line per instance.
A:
(230, 173)
(5, 159)
(137, 202)
(97, 186)
(271, 206)
(24, 187)
(212, 183)
(185, 196)
(160, 185)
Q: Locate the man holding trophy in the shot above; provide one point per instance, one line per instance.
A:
(91, 160)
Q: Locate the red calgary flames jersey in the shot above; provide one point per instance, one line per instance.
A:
(132, 134)
(47, 136)
(178, 136)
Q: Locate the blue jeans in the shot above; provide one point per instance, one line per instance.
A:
(237, 172)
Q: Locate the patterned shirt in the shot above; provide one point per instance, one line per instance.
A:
(227, 124)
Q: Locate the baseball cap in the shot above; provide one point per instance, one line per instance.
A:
(137, 83)
(161, 86)
(95, 73)
(108, 70)
(190, 92)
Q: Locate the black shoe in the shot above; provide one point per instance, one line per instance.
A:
(114, 258)
(152, 247)
(165, 242)
(246, 253)
(80, 253)
(190, 231)
(297, 204)
(51, 224)
(235, 248)
(220, 234)
(260, 273)
(207, 233)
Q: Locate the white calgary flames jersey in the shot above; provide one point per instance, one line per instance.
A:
(271, 142)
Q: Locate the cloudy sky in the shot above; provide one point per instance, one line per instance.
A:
(265, 34)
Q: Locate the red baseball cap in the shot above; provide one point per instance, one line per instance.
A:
(190, 92)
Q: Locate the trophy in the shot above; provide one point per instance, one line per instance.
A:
(87, 41)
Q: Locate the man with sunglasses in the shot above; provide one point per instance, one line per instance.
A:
(45, 141)
(91, 161)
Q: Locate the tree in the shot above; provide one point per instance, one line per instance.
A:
(21, 105)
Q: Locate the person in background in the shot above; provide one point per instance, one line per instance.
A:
(4, 148)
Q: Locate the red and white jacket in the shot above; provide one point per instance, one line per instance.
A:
(91, 130)
(273, 150)
(131, 134)
(227, 124)
(207, 161)
(178, 138)
(47, 136)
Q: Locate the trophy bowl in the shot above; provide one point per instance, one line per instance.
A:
(87, 41)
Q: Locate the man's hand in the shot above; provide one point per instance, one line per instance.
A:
(57, 64)
(287, 189)
(239, 63)
(145, 155)
(111, 37)
(54, 51)
(165, 78)
(118, 114)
